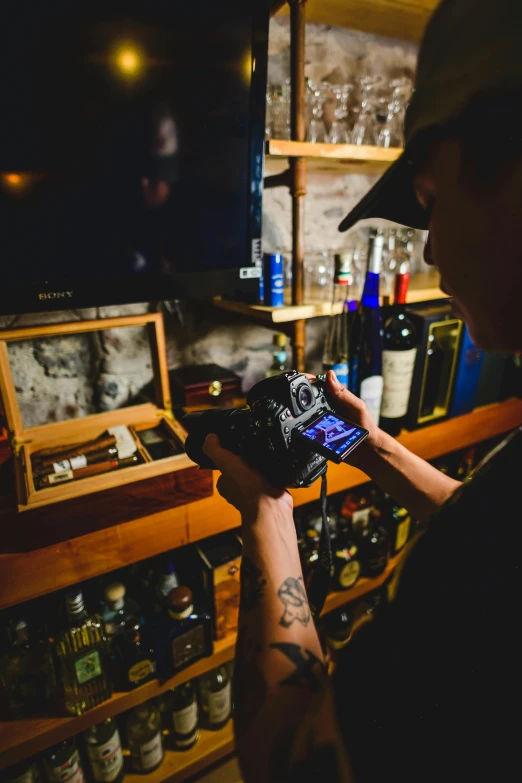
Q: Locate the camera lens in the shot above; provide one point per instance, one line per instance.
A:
(305, 398)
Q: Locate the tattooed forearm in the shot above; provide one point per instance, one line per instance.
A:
(293, 597)
(252, 584)
(304, 661)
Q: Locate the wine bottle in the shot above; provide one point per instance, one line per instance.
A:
(26, 671)
(398, 358)
(185, 716)
(63, 763)
(144, 738)
(335, 356)
(104, 751)
(366, 355)
(215, 698)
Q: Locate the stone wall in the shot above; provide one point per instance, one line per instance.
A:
(71, 377)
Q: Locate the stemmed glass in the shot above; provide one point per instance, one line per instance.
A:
(364, 130)
(316, 131)
(392, 131)
(339, 133)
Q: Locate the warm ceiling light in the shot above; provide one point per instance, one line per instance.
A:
(129, 61)
(14, 181)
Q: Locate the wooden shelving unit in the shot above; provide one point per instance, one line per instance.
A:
(423, 288)
(336, 158)
(25, 575)
(22, 738)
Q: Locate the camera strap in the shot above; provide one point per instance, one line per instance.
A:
(319, 585)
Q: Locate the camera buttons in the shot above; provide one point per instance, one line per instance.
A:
(287, 430)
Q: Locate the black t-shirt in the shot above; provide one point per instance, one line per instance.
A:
(431, 690)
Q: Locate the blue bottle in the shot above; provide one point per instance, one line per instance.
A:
(274, 284)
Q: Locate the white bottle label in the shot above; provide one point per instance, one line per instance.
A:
(107, 759)
(371, 395)
(186, 720)
(360, 519)
(151, 752)
(70, 772)
(349, 574)
(397, 370)
(70, 464)
(219, 705)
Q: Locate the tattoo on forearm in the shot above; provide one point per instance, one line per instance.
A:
(252, 584)
(304, 661)
(293, 597)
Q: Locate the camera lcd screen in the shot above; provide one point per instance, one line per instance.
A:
(333, 436)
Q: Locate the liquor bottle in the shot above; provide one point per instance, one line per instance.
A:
(312, 539)
(133, 657)
(26, 671)
(104, 751)
(184, 715)
(399, 527)
(337, 629)
(26, 771)
(81, 653)
(185, 636)
(398, 358)
(215, 698)
(144, 738)
(366, 335)
(165, 581)
(118, 611)
(279, 356)
(435, 356)
(374, 546)
(335, 356)
(63, 763)
(355, 514)
(346, 563)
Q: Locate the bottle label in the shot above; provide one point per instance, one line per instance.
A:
(371, 395)
(188, 646)
(341, 370)
(186, 720)
(151, 753)
(403, 531)
(70, 464)
(183, 742)
(70, 772)
(88, 667)
(140, 670)
(361, 519)
(107, 759)
(219, 705)
(64, 475)
(397, 370)
(349, 574)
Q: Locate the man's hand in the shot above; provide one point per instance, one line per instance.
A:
(244, 487)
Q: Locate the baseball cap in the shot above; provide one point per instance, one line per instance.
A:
(469, 47)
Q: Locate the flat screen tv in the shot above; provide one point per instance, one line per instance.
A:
(131, 151)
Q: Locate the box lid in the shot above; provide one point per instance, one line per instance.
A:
(14, 376)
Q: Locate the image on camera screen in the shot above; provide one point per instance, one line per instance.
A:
(332, 433)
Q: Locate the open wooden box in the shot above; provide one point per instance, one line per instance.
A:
(25, 441)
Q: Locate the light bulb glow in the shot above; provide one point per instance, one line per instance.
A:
(129, 61)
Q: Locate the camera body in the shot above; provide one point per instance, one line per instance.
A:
(266, 433)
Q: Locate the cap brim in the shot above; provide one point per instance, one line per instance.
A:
(392, 198)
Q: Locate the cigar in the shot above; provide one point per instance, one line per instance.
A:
(89, 470)
(105, 441)
(75, 463)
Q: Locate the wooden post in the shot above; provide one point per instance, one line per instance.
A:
(298, 171)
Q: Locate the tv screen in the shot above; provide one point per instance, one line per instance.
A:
(131, 150)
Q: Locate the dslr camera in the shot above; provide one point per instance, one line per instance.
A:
(288, 431)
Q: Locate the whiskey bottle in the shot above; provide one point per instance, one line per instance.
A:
(118, 611)
(165, 581)
(346, 563)
(399, 528)
(186, 634)
(144, 738)
(355, 513)
(374, 546)
(63, 763)
(215, 698)
(105, 753)
(81, 654)
(25, 671)
(184, 716)
(133, 657)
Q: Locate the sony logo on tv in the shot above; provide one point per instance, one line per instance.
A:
(56, 295)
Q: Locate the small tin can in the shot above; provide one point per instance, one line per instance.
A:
(274, 279)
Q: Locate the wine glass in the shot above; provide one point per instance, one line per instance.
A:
(364, 130)
(339, 133)
(392, 131)
(316, 131)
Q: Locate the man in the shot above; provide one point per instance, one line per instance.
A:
(429, 692)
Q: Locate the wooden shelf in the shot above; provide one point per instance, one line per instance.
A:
(25, 575)
(404, 19)
(22, 738)
(176, 767)
(338, 158)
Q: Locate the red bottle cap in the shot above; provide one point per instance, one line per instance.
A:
(401, 288)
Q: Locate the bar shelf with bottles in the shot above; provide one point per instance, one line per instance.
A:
(359, 578)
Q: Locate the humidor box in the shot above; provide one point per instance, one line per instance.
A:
(154, 416)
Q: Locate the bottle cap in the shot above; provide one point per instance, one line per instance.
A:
(279, 339)
(74, 602)
(343, 268)
(179, 602)
(115, 593)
